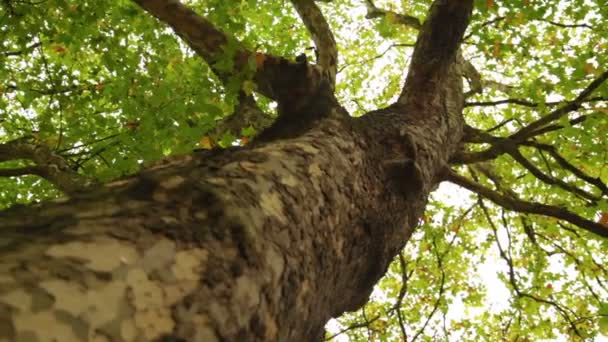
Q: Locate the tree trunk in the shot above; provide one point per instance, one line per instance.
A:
(267, 242)
(263, 243)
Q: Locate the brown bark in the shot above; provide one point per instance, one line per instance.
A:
(263, 243)
(250, 244)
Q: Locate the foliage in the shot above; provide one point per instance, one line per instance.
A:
(110, 89)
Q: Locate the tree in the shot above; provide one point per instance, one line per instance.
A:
(270, 239)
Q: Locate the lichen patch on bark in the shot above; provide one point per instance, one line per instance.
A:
(273, 206)
(103, 254)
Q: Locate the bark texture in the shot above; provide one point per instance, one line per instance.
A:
(263, 243)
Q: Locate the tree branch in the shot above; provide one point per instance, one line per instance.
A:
(200, 34)
(23, 171)
(528, 207)
(597, 182)
(436, 48)
(498, 147)
(469, 71)
(246, 114)
(48, 164)
(526, 103)
(321, 34)
(549, 179)
(277, 78)
(566, 25)
(527, 131)
(20, 52)
(538, 127)
(403, 19)
(507, 257)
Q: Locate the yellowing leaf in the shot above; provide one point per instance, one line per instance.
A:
(132, 125)
(601, 109)
(59, 49)
(496, 48)
(206, 142)
(589, 68)
(604, 218)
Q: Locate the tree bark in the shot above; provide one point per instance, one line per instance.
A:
(263, 243)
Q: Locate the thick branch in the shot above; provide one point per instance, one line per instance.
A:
(469, 71)
(202, 36)
(528, 207)
(505, 145)
(436, 48)
(290, 83)
(22, 171)
(473, 77)
(321, 34)
(48, 164)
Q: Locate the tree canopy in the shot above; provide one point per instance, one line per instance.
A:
(91, 91)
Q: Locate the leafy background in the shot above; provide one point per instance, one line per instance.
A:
(110, 89)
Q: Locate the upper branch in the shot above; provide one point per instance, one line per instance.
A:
(510, 146)
(202, 36)
(522, 206)
(276, 77)
(550, 180)
(436, 47)
(209, 42)
(321, 34)
(596, 181)
(407, 20)
(21, 52)
(469, 71)
(527, 103)
(558, 113)
(538, 127)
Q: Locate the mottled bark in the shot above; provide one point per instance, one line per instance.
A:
(47, 164)
(262, 243)
(248, 244)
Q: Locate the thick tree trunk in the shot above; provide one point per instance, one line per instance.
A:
(263, 243)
